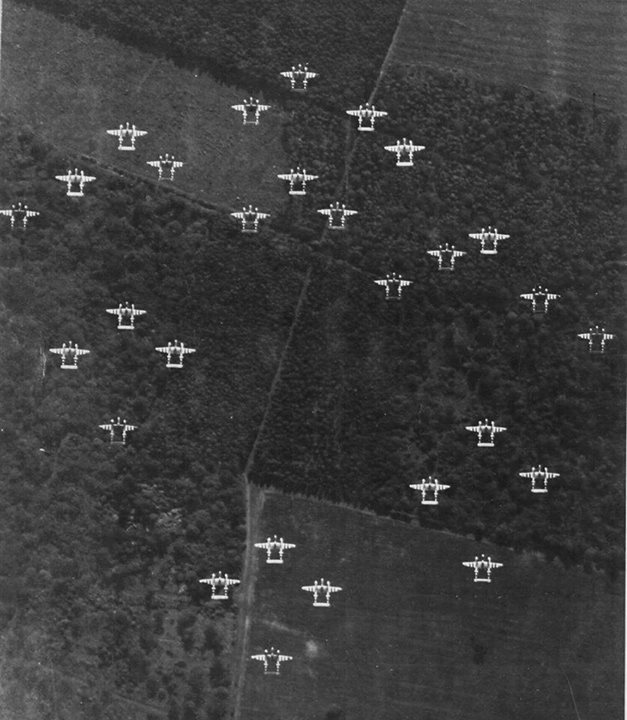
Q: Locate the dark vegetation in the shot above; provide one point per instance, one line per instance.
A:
(101, 547)
(376, 395)
(248, 44)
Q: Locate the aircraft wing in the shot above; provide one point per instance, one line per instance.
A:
(354, 113)
(153, 163)
(80, 351)
(477, 236)
(265, 545)
(240, 108)
(393, 148)
(284, 658)
(138, 312)
(333, 588)
(30, 213)
(64, 178)
(608, 336)
(350, 212)
(527, 474)
(285, 176)
(58, 351)
(165, 349)
(306, 176)
(238, 215)
(378, 113)
(263, 658)
(435, 253)
(8, 213)
(231, 581)
(324, 211)
(551, 296)
(106, 426)
(493, 564)
(118, 132)
(585, 336)
(442, 487)
(497, 428)
(458, 253)
(470, 563)
(381, 282)
(527, 296)
(263, 107)
(287, 546)
(474, 428)
(177, 164)
(262, 215)
(140, 133)
(87, 178)
(311, 588)
(186, 350)
(404, 283)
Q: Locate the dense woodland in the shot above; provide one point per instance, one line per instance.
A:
(376, 395)
(102, 547)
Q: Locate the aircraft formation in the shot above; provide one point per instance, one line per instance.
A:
(393, 284)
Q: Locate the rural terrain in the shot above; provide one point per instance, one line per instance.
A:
(415, 635)
(305, 380)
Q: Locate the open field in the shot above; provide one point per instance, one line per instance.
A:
(70, 85)
(562, 47)
(412, 636)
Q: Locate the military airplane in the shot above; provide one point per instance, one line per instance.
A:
(130, 132)
(118, 430)
(540, 298)
(446, 256)
(19, 213)
(395, 283)
(176, 349)
(489, 240)
(337, 215)
(298, 179)
(250, 218)
(126, 315)
(429, 489)
(485, 427)
(404, 150)
(537, 473)
(73, 179)
(275, 544)
(69, 355)
(596, 337)
(251, 110)
(299, 77)
(483, 563)
(366, 112)
(271, 660)
(165, 162)
(219, 585)
(321, 587)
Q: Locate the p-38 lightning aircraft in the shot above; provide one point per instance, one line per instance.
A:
(299, 77)
(540, 298)
(366, 112)
(537, 473)
(75, 179)
(275, 544)
(298, 180)
(394, 283)
(446, 256)
(176, 349)
(404, 150)
(126, 315)
(271, 660)
(250, 218)
(489, 240)
(251, 109)
(118, 430)
(596, 337)
(19, 213)
(219, 585)
(321, 587)
(337, 215)
(123, 132)
(429, 489)
(484, 428)
(165, 162)
(69, 355)
(480, 564)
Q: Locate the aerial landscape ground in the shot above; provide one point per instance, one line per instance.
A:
(311, 403)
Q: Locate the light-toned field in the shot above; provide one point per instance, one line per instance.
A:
(70, 85)
(411, 635)
(566, 48)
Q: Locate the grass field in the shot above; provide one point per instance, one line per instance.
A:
(561, 47)
(70, 85)
(412, 636)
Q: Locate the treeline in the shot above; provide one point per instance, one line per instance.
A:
(376, 395)
(102, 546)
(248, 43)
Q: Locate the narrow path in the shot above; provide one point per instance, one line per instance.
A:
(255, 496)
